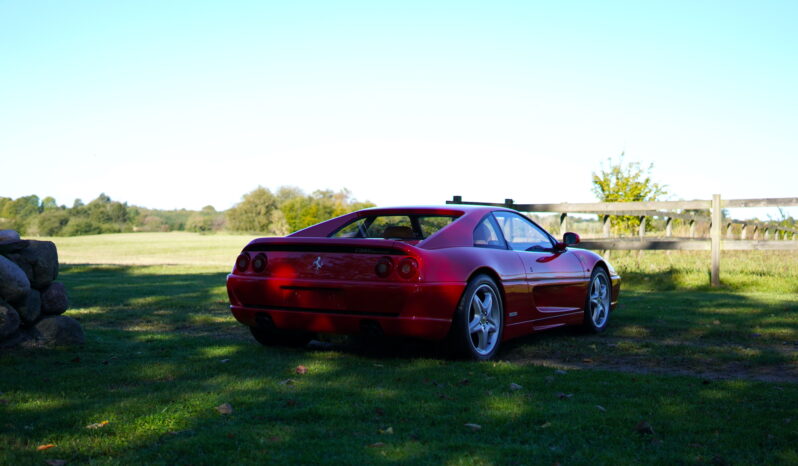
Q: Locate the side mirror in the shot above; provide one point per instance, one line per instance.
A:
(569, 239)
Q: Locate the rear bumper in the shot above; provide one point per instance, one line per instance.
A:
(420, 327)
(421, 310)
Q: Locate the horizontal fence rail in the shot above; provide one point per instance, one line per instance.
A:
(685, 245)
(750, 230)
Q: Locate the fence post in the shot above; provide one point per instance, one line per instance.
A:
(563, 223)
(754, 234)
(692, 228)
(715, 234)
(767, 233)
(729, 231)
(668, 226)
(744, 231)
(606, 225)
(641, 232)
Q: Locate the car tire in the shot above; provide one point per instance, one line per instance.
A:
(478, 323)
(274, 337)
(598, 301)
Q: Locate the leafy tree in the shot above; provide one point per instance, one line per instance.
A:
(51, 222)
(152, 223)
(82, 226)
(206, 220)
(289, 209)
(286, 193)
(5, 222)
(302, 212)
(278, 225)
(199, 223)
(297, 213)
(18, 213)
(626, 182)
(253, 212)
(112, 216)
(48, 203)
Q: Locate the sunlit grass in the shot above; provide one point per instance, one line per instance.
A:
(151, 249)
(747, 271)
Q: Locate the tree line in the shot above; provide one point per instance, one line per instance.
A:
(281, 212)
(260, 211)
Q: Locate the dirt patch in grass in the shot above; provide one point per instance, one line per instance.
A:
(562, 349)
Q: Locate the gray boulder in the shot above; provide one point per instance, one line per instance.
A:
(14, 284)
(9, 235)
(12, 246)
(9, 320)
(59, 331)
(39, 261)
(54, 299)
(30, 309)
(15, 339)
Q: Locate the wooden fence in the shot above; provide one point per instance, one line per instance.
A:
(763, 235)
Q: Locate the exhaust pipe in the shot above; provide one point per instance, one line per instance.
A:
(371, 330)
(265, 322)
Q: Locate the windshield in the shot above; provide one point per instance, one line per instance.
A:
(398, 227)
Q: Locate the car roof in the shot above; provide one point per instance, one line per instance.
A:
(453, 208)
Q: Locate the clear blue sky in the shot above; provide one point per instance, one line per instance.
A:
(173, 104)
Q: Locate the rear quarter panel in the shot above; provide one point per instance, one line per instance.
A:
(460, 264)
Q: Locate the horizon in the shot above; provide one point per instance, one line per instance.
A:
(753, 213)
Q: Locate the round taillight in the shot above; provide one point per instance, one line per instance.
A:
(408, 268)
(259, 263)
(384, 267)
(242, 262)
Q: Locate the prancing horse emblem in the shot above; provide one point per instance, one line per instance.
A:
(317, 263)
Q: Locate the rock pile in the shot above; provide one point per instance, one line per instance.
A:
(31, 302)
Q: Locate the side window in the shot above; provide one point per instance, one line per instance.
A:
(522, 234)
(487, 236)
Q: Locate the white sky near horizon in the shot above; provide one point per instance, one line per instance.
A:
(183, 104)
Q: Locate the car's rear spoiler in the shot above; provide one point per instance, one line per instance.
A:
(333, 245)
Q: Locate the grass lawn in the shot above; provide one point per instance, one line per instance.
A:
(684, 375)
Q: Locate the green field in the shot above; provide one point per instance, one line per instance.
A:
(684, 375)
(178, 248)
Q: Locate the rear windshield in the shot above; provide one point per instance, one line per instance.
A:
(399, 227)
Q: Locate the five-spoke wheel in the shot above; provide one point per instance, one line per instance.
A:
(477, 327)
(597, 308)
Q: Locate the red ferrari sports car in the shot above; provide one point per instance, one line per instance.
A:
(474, 275)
